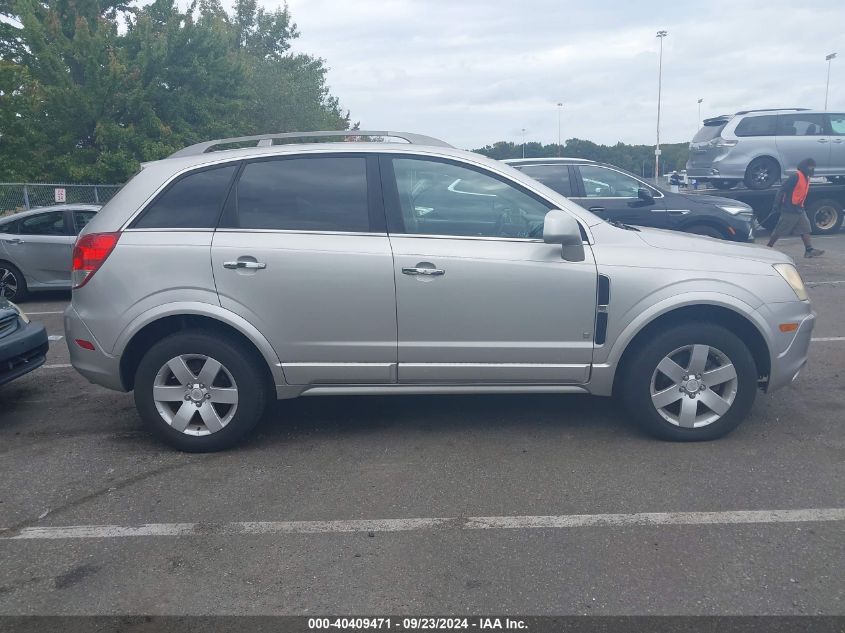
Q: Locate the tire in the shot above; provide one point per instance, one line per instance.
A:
(680, 344)
(825, 216)
(12, 283)
(705, 229)
(229, 421)
(762, 173)
(724, 185)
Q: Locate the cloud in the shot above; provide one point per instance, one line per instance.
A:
(473, 72)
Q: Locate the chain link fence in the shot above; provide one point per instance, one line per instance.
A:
(19, 196)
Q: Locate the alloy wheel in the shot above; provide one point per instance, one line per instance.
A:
(694, 386)
(8, 284)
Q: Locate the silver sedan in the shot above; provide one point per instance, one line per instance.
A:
(36, 248)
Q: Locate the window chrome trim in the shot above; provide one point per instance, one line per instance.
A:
(303, 232)
(476, 238)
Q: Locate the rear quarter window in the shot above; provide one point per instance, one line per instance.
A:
(193, 201)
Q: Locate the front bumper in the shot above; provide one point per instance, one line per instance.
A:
(22, 351)
(97, 366)
(787, 364)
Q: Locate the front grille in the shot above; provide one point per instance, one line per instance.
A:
(8, 324)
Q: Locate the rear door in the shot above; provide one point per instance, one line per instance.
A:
(302, 253)
(803, 136)
(42, 247)
(614, 195)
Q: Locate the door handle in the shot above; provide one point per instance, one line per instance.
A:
(822, 140)
(430, 272)
(248, 265)
(596, 209)
(14, 241)
(837, 140)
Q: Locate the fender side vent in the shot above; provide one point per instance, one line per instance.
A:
(602, 303)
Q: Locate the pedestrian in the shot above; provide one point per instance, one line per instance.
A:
(790, 203)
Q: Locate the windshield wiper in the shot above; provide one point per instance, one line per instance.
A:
(620, 225)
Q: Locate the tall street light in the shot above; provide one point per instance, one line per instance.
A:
(827, 86)
(559, 108)
(523, 142)
(660, 36)
(699, 114)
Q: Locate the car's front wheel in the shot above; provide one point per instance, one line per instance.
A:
(12, 283)
(199, 392)
(695, 381)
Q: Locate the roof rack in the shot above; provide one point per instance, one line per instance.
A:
(773, 110)
(266, 140)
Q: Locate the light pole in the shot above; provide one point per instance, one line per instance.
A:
(559, 108)
(660, 36)
(523, 142)
(827, 86)
(697, 123)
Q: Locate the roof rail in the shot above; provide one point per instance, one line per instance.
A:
(266, 140)
(773, 110)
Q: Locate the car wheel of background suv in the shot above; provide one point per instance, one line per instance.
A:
(200, 392)
(12, 283)
(695, 381)
(762, 173)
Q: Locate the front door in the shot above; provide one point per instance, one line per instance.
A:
(801, 136)
(614, 195)
(302, 253)
(480, 297)
(837, 144)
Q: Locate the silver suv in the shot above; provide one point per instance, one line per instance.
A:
(215, 281)
(758, 147)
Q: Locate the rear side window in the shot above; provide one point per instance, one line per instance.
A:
(711, 130)
(304, 194)
(192, 202)
(802, 125)
(765, 125)
(555, 177)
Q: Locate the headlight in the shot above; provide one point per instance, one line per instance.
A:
(735, 209)
(790, 274)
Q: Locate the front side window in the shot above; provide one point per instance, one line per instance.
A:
(192, 202)
(802, 125)
(837, 124)
(304, 194)
(765, 125)
(601, 182)
(52, 223)
(555, 177)
(437, 198)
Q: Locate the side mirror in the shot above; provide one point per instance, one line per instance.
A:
(561, 228)
(645, 194)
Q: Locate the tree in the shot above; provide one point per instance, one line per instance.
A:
(82, 100)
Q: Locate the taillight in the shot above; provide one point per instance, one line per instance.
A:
(89, 253)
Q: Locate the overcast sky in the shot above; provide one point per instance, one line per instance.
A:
(476, 71)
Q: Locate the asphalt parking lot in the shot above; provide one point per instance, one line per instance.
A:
(428, 505)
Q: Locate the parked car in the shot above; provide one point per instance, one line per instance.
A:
(758, 147)
(615, 194)
(215, 281)
(36, 247)
(23, 345)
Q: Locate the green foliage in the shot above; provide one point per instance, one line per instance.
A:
(638, 159)
(91, 88)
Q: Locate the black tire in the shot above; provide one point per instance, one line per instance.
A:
(642, 368)
(9, 272)
(706, 229)
(825, 216)
(762, 173)
(252, 386)
(725, 184)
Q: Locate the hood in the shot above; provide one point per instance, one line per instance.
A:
(716, 200)
(687, 243)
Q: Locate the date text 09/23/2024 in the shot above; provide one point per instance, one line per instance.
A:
(418, 623)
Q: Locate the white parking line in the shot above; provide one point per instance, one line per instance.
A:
(813, 284)
(55, 337)
(424, 524)
(65, 366)
(828, 339)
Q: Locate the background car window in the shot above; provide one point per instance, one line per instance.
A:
(444, 199)
(304, 194)
(601, 182)
(802, 125)
(52, 223)
(80, 219)
(837, 123)
(9, 227)
(555, 177)
(192, 202)
(765, 125)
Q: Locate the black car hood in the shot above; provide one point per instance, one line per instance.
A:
(714, 200)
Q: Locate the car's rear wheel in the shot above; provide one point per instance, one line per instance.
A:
(12, 283)
(725, 184)
(825, 216)
(762, 173)
(199, 392)
(705, 229)
(695, 381)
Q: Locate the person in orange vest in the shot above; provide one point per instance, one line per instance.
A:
(790, 203)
